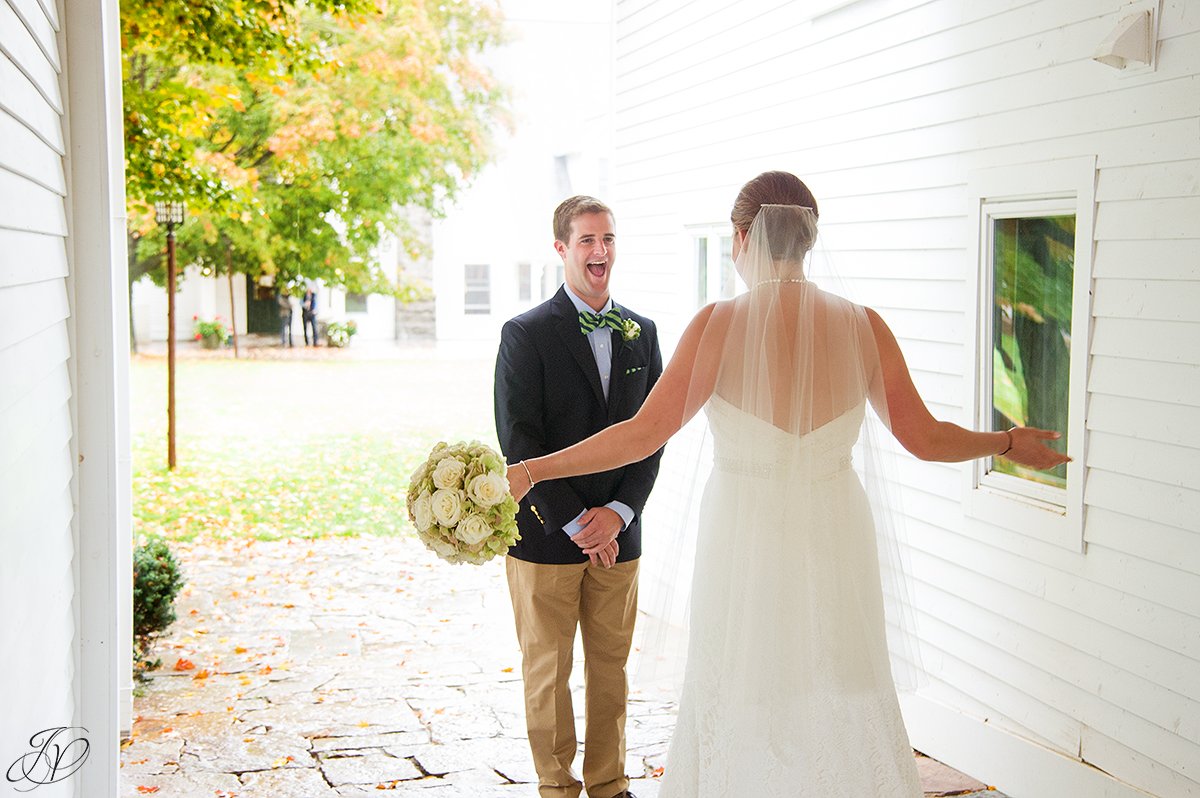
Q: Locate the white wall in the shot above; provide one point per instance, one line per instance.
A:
(557, 66)
(886, 108)
(206, 297)
(36, 507)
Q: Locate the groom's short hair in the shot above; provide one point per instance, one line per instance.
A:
(571, 208)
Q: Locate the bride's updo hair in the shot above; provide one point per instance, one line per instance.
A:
(770, 188)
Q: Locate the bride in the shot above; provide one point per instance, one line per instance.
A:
(788, 690)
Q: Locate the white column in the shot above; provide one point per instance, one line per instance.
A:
(100, 376)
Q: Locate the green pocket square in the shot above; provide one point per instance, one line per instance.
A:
(633, 370)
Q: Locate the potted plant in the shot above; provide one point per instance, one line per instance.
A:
(210, 334)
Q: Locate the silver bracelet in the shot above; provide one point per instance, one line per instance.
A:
(532, 483)
(1007, 432)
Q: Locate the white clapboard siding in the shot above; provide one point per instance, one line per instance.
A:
(30, 257)
(36, 466)
(25, 205)
(20, 97)
(21, 45)
(23, 153)
(1148, 299)
(1177, 259)
(1170, 341)
(886, 108)
(42, 27)
(1144, 420)
(1141, 379)
(1149, 181)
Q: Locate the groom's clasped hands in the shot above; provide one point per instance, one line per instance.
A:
(599, 526)
(598, 538)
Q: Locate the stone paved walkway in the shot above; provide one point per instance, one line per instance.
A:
(319, 669)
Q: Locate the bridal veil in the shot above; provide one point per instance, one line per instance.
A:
(797, 366)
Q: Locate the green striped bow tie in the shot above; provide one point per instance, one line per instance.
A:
(589, 321)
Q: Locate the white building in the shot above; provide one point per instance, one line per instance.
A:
(1061, 626)
(493, 254)
(254, 307)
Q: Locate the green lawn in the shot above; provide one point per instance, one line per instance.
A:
(296, 448)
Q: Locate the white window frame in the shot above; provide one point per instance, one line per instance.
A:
(524, 281)
(1037, 189)
(714, 234)
(479, 285)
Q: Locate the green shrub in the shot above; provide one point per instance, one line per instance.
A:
(338, 333)
(156, 582)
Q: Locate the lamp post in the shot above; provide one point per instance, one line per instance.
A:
(171, 214)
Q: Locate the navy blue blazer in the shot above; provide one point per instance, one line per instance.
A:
(548, 396)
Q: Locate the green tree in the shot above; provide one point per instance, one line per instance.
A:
(297, 167)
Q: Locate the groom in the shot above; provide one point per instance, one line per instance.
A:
(566, 369)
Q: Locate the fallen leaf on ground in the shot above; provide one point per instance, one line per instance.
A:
(182, 664)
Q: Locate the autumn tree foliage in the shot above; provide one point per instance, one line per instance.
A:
(300, 132)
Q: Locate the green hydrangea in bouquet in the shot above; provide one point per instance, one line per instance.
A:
(458, 500)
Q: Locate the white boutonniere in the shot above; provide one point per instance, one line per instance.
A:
(630, 330)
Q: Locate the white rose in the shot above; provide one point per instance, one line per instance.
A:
(449, 473)
(473, 529)
(444, 549)
(488, 490)
(423, 511)
(446, 506)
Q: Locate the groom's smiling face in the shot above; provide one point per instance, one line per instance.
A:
(588, 257)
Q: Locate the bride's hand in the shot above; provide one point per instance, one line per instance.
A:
(518, 481)
(1028, 450)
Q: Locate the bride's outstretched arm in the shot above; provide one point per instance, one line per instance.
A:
(929, 439)
(680, 392)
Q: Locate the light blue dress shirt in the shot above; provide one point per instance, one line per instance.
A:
(601, 342)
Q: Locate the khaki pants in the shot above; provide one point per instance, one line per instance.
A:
(549, 601)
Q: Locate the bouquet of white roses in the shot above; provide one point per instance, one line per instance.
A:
(459, 502)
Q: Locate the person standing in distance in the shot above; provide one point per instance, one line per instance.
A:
(308, 314)
(565, 370)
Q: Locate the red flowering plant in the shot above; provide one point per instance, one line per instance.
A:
(213, 333)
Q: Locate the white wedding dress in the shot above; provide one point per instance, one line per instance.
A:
(788, 691)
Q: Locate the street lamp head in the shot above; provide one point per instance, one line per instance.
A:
(169, 213)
